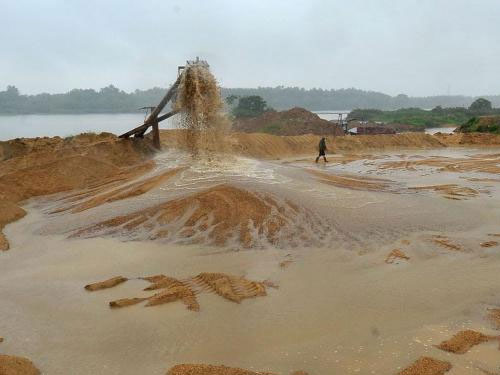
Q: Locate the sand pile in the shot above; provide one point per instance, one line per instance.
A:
(189, 369)
(295, 121)
(494, 316)
(396, 255)
(229, 287)
(427, 366)
(217, 216)
(200, 105)
(12, 365)
(463, 341)
(445, 242)
(41, 166)
(352, 182)
(450, 191)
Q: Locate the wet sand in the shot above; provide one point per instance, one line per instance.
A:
(340, 308)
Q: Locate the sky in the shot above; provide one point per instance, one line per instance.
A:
(420, 48)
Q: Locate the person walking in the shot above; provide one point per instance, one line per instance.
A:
(322, 149)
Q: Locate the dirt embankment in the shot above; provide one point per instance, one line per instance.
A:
(295, 121)
(267, 146)
(41, 166)
(469, 139)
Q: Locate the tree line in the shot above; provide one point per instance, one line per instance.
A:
(110, 99)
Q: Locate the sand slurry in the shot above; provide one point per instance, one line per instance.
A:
(12, 365)
(489, 244)
(461, 342)
(427, 366)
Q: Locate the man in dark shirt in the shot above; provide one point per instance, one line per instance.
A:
(322, 149)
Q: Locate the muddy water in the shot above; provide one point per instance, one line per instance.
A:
(339, 308)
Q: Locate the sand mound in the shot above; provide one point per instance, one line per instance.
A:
(41, 166)
(232, 288)
(114, 281)
(396, 255)
(494, 316)
(449, 191)
(461, 342)
(215, 216)
(352, 182)
(188, 369)
(427, 366)
(446, 243)
(295, 121)
(12, 365)
(489, 244)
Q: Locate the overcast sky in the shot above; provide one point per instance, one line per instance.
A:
(417, 47)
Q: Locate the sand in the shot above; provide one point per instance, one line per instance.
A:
(494, 316)
(213, 216)
(232, 288)
(427, 366)
(12, 365)
(463, 341)
(114, 281)
(450, 191)
(396, 255)
(209, 238)
(187, 369)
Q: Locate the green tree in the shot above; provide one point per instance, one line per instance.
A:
(250, 106)
(481, 105)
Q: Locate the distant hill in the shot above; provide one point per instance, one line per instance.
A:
(295, 121)
(110, 99)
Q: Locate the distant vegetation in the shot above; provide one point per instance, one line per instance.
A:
(485, 124)
(113, 100)
(247, 106)
(420, 118)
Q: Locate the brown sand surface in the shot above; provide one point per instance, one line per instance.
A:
(188, 369)
(489, 244)
(232, 288)
(450, 191)
(461, 342)
(109, 283)
(427, 366)
(352, 182)
(396, 255)
(12, 365)
(494, 316)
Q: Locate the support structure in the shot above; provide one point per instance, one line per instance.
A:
(153, 119)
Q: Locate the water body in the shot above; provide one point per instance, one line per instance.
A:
(440, 130)
(31, 126)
